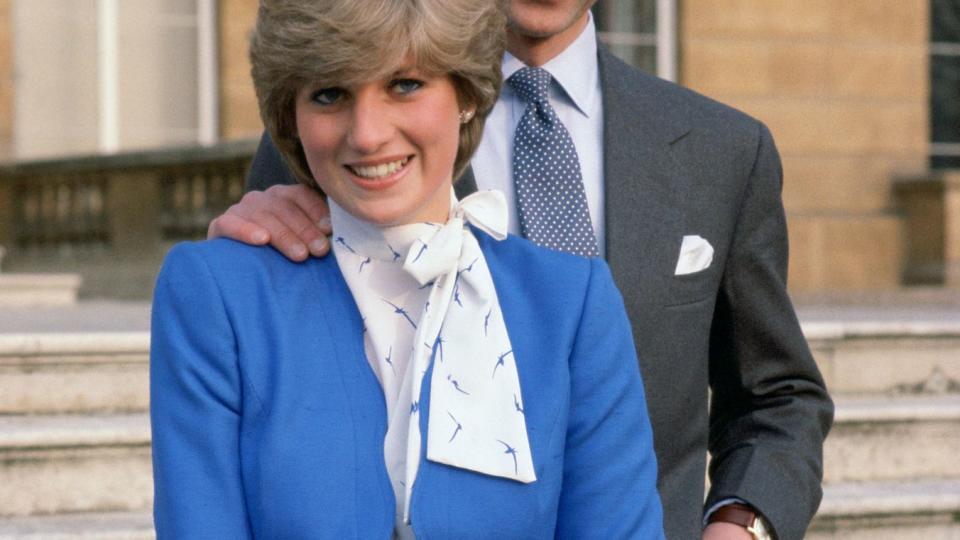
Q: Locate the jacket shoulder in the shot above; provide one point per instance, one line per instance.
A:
(675, 102)
(229, 262)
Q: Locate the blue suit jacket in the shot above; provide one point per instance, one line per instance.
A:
(269, 423)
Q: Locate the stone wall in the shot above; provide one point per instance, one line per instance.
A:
(239, 116)
(6, 80)
(843, 86)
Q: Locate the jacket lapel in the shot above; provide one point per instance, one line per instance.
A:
(643, 180)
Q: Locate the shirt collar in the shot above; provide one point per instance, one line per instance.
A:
(574, 69)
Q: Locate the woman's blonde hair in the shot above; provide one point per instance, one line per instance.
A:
(301, 42)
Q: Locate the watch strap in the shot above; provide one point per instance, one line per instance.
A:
(738, 514)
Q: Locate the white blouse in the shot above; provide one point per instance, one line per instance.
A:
(426, 295)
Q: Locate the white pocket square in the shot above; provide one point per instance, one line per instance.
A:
(696, 254)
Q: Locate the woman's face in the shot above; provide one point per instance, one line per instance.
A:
(383, 150)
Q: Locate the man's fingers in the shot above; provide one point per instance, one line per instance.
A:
(305, 213)
(293, 219)
(315, 239)
(233, 226)
(309, 201)
(284, 239)
(296, 226)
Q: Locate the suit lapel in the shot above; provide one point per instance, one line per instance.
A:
(643, 180)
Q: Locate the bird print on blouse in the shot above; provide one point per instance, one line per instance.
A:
(501, 360)
(438, 293)
(458, 430)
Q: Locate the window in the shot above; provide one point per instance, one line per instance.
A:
(641, 32)
(945, 84)
(109, 75)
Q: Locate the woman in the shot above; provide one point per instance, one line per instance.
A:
(432, 379)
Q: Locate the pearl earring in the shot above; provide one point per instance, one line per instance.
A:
(466, 116)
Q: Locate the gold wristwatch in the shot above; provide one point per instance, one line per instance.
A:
(744, 516)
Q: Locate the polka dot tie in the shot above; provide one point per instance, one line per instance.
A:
(551, 200)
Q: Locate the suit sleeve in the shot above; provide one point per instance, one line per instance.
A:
(195, 406)
(610, 472)
(770, 411)
(268, 167)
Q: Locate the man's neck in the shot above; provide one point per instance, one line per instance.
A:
(537, 51)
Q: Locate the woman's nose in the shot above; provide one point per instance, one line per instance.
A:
(371, 126)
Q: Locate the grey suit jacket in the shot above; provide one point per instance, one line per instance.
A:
(677, 163)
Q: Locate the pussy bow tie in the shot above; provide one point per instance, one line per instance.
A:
(476, 419)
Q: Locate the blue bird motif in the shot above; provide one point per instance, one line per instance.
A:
(513, 452)
(414, 407)
(427, 284)
(486, 322)
(456, 294)
(362, 264)
(456, 385)
(389, 360)
(459, 427)
(344, 243)
(396, 255)
(500, 362)
(422, 249)
(400, 311)
(516, 405)
(469, 267)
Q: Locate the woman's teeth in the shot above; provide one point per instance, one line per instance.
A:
(378, 171)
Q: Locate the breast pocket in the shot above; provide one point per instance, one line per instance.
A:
(692, 288)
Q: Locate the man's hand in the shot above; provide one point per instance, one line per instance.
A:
(293, 219)
(719, 530)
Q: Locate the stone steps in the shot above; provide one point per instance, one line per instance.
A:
(888, 357)
(39, 289)
(894, 510)
(74, 372)
(86, 526)
(892, 460)
(53, 464)
(75, 457)
(894, 438)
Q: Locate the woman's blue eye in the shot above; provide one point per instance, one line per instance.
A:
(326, 96)
(405, 86)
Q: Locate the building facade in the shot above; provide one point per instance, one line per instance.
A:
(845, 87)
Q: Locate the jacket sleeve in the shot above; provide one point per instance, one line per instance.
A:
(770, 411)
(195, 406)
(610, 472)
(268, 167)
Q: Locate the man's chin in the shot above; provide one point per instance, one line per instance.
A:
(536, 32)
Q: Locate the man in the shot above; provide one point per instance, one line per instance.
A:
(688, 192)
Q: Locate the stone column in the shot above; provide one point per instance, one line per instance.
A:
(6, 81)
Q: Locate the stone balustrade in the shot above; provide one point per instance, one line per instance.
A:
(111, 219)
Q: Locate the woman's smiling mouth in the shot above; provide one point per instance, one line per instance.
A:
(382, 170)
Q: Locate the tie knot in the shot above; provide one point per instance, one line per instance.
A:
(531, 84)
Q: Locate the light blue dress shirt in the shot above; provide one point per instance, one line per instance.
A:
(576, 97)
